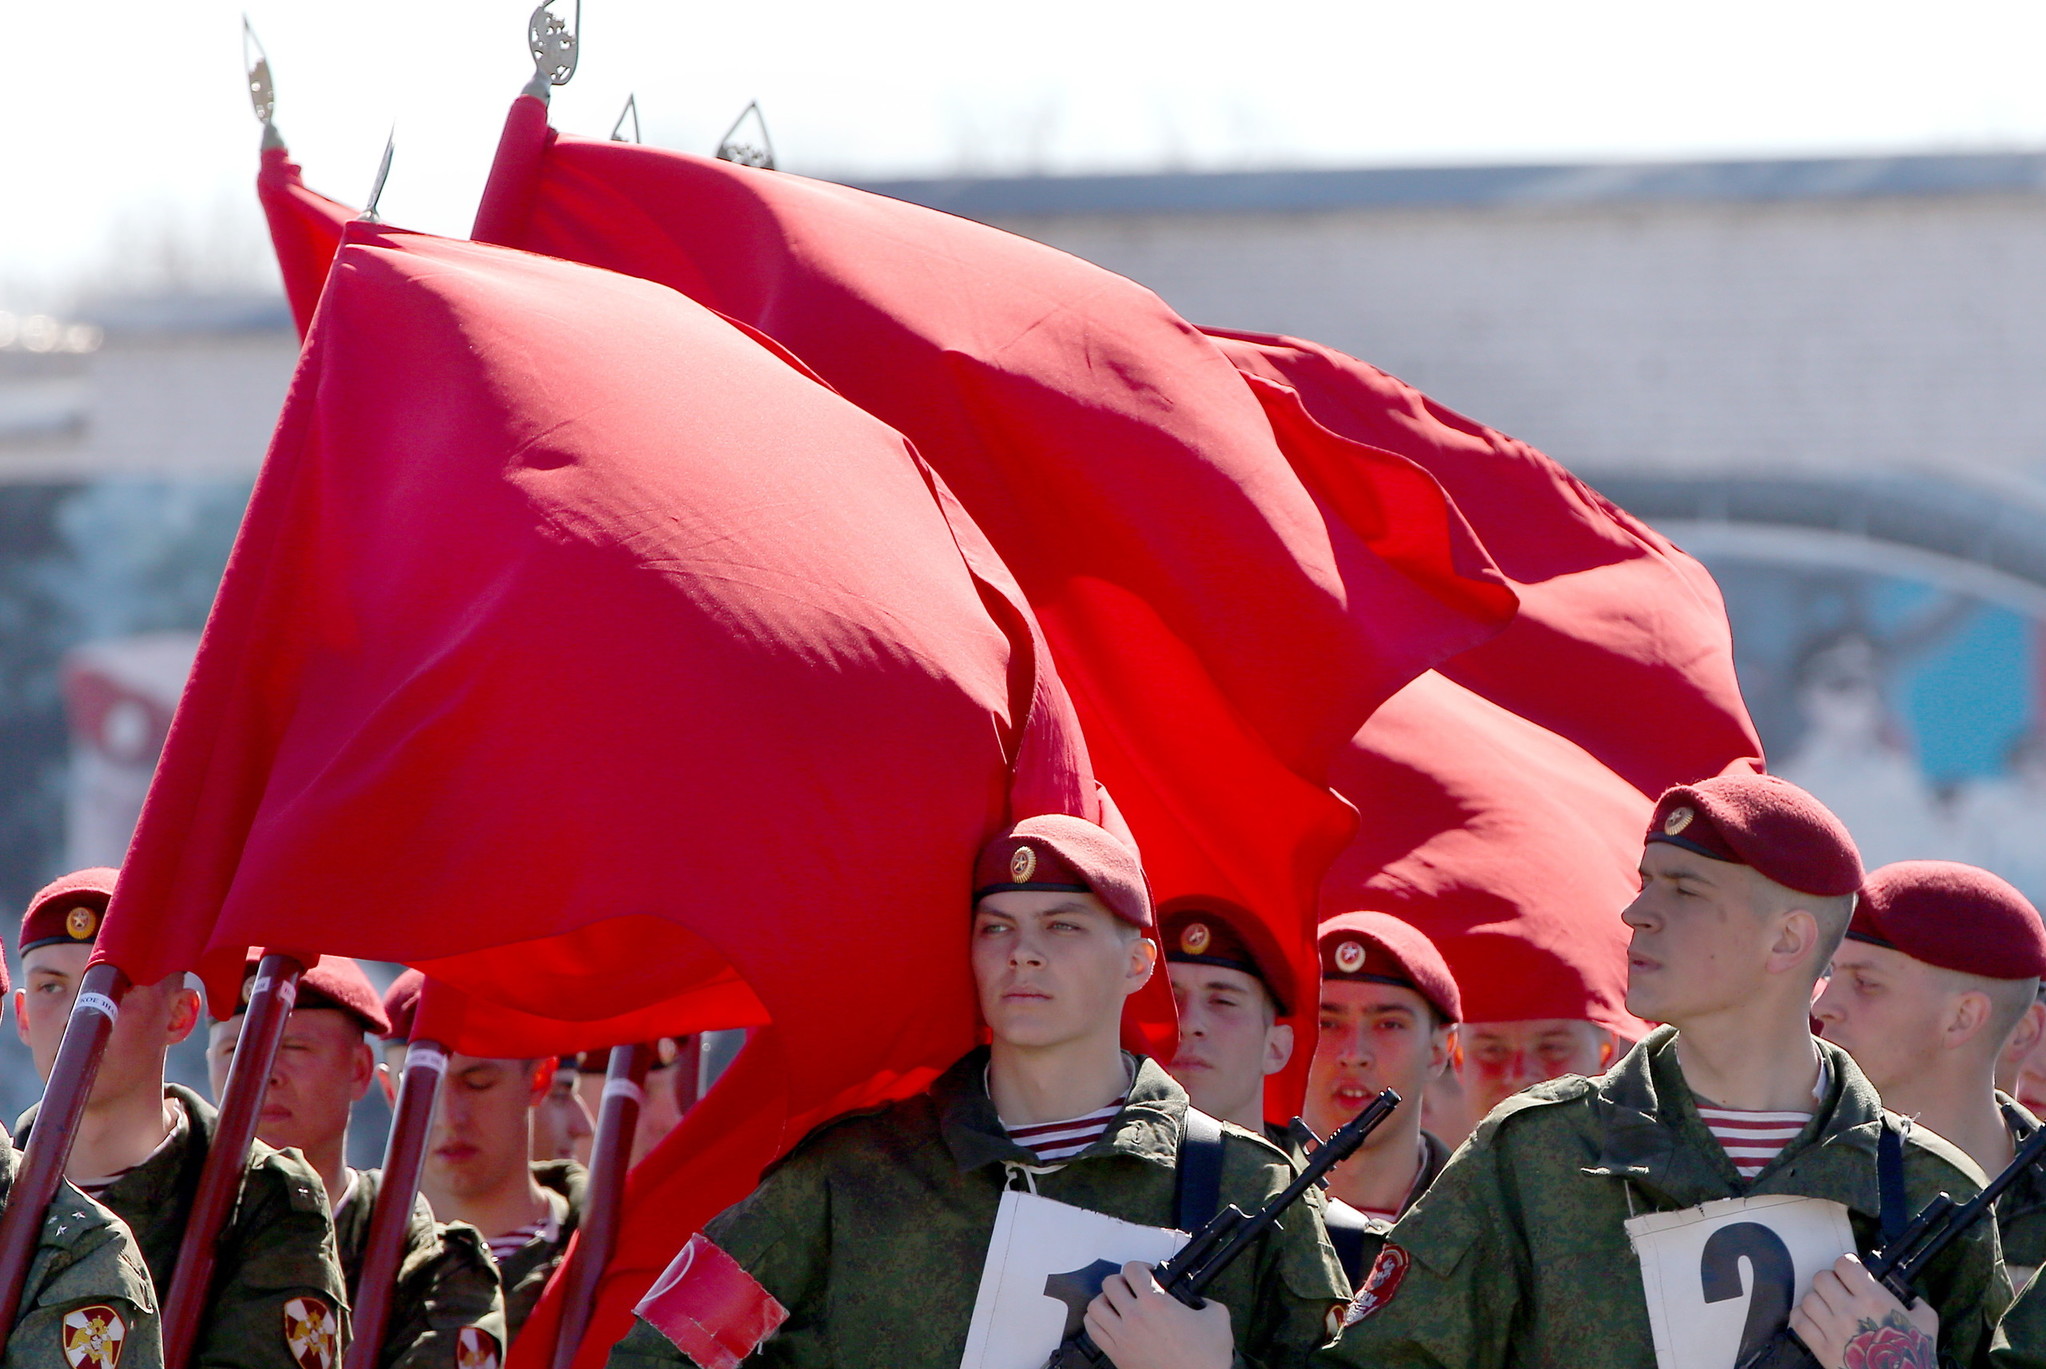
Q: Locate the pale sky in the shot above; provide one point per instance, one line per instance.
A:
(124, 116)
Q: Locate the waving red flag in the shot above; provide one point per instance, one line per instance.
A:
(305, 230)
(582, 651)
(1621, 643)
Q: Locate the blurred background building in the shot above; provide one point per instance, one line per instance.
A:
(1827, 378)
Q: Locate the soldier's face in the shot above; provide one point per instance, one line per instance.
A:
(153, 1018)
(1228, 1040)
(1699, 944)
(1053, 968)
(322, 1067)
(1889, 1012)
(1373, 1037)
(1502, 1058)
(563, 1124)
(482, 1135)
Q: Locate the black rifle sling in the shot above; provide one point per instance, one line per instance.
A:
(1890, 1192)
(1197, 1192)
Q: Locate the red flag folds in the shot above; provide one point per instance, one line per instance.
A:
(305, 229)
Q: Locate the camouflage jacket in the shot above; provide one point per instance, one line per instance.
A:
(1518, 1255)
(2021, 1211)
(447, 1286)
(88, 1302)
(873, 1231)
(1358, 1236)
(278, 1300)
(2021, 1335)
(526, 1270)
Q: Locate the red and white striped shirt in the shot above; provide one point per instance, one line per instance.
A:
(1056, 1141)
(1753, 1139)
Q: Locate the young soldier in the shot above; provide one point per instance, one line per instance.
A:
(1230, 1035)
(1525, 1250)
(1941, 965)
(1502, 1058)
(278, 1299)
(87, 1302)
(478, 1168)
(660, 1110)
(1389, 1009)
(872, 1237)
(447, 1311)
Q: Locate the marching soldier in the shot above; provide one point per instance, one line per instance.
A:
(278, 1300)
(479, 1169)
(87, 1302)
(929, 1230)
(1389, 1009)
(1941, 965)
(1230, 1004)
(1730, 1131)
(447, 1310)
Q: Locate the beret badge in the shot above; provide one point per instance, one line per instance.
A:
(1195, 938)
(80, 923)
(1022, 865)
(1677, 821)
(1350, 957)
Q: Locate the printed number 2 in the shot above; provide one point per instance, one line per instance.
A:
(1772, 1275)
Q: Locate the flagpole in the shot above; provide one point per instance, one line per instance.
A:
(426, 1064)
(597, 1236)
(56, 1126)
(220, 1181)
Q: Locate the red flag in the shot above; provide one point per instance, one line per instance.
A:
(583, 652)
(1621, 643)
(305, 230)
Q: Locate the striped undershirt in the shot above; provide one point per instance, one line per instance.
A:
(1753, 1139)
(1056, 1141)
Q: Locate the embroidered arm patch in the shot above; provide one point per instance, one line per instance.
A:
(713, 1310)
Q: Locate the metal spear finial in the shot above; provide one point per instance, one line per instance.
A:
(555, 47)
(628, 114)
(376, 191)
(746, 141)
(262, 94)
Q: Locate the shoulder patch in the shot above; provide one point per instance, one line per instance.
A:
(93, 1337)
(311, 1332)
(1388, 1272)
(476, 1348)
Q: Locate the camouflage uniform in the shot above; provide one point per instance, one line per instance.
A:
(2021, 1211)
(278, 1279)
(526, 1270)
(2021, 1335)
(1357, 1235)
(1519, 1256)
(85, 1276)
(446, 1284)
(873, 1231)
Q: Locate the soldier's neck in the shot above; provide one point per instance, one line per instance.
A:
(1956, 1099)
(1034, 1084)
(1757, 1058)
(330, 1159)
(119, 1131)
(1381, 1174)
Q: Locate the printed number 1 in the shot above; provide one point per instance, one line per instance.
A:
(1772, 1277)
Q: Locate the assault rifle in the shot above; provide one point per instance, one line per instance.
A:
(1901, 1263)
(1230, 1232)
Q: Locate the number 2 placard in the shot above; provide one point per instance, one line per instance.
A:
(1721, 1279)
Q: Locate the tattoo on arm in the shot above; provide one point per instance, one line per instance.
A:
(1892, 1343)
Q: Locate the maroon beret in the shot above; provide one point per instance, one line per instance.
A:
(401, 1001)
(1058, 852)
(68, 911)
(1198, 930)
(1378, 948)
(335, 982)
(1958, 917)
(1764, 822)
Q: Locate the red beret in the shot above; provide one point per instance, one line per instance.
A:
(1198, 930)
(1057, 852)
(335, 982)
(1764, 822)
(1378, 948)
(401, 1001)
(68, 911)
(1955, 916)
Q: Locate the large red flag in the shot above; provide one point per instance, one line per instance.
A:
(305, 230)
(1621, 643)
(583, 651)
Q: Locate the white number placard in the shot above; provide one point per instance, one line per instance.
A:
(1045, 1263)
(1721, 1279)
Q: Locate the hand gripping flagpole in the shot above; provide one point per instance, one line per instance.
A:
(49, 1144)
(220, 1181)
(596, 1238)
(426, 1064)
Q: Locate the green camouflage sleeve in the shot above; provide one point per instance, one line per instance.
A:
(1970, 1290)
(1444, 1290)
(781, 1235)
(279, 1298)
(88, 1302)
(448, 1312)
(2021, 1336)
(1301, 1289)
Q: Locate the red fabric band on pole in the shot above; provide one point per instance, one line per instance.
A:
(714, 1311)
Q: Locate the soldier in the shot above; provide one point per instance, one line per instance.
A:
(478, 1168)
(277, 1300)
(1389, 1009)
(1524, 1251)
(1941, 966)
(562, 1125)
(663, 1093)
(872, 1243)
(87, 1302)
(1230, 1035)
(447, 1311)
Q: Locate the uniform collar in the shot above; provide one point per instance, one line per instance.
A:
(1148, 1127)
